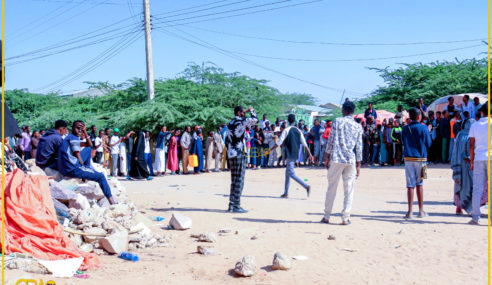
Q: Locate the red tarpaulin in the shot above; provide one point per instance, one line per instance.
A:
(31, 225)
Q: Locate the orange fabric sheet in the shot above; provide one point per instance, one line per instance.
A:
(31, 225)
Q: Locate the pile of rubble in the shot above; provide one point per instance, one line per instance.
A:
(95, 225)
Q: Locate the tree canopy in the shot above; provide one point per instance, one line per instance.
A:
(201, 94)
(405, 84)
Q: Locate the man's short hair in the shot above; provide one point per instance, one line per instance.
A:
(400, 106)
(450, 98)
(291, 118)
(106, 129)
(467, 96)
(438, 112)
(485, 110)
(348, 107)
(466, 113)
(370, 103)
(77, 121)
(238, 109)
(431, 113)
(414, 113)
(60, 124)
(444, 112)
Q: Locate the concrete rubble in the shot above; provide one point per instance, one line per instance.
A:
(96, 226)
(281, 262)
(246, 267)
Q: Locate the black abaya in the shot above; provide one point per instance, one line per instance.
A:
(139, 166)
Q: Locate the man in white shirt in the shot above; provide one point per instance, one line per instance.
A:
(479, 155)
(114, 144)
(264, 121)
(343, 159)
(148, 154)
(292, 139)
(467, 106)
(98, 145)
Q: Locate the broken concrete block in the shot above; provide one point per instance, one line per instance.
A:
(97, 232)
(180, 222)
(87, 247)
(119, 210)
(281, 262)
(208, 237)
(246, 267)
(53, 173)
(60, 193)
(116, 242)
(80, 203)
(103, 203)
(90, 191)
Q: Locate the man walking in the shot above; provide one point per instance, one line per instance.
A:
(236, 158)
(416, 140)
(185, 147)
(479, 155)
(291, 139)
(114, 144)
(343, 158)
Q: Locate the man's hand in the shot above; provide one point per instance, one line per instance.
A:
(250, 109)
(467, 160)
(327, 163)
(311, 158)
(471, 165)
(357, 169)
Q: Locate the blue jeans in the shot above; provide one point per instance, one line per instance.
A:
(451, 146)
(480, 176)
(375, 153)
(128, 163)
(148, 159)
(264, 155)
(289, 173)
(90, 174)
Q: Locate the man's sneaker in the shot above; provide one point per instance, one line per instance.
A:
(239, 210)
(284, 196)
(475, 223)
(149, 178)
(308, 190)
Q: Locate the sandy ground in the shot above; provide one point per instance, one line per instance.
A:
(440, 249)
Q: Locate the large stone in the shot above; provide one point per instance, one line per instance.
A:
(53, 173)
(281, 262)
(91, 191)
(180, 222)
(94, 234)
(26, 264)
(246, 267)
(83, 217)
(60, 193)
(115, 243)
(142, 229)
(103, 203)
(119, 210)
(87, 247)
(80, 203)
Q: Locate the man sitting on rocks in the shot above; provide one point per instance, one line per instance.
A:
(74, 159)
(47, 154)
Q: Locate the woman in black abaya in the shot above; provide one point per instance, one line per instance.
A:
(138, 165)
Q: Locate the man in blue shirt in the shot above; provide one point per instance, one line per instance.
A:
(370, 112)
(422, 107)
(47, 154)
(315, 132)
(416, 140)
(74, 158)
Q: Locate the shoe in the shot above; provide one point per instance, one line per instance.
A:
(149, 178)
(239, 210)
(325, 221)
(129, 178)
(284, 196)
(230, 209)
(472, 222)
(346, 223)
(308, 190)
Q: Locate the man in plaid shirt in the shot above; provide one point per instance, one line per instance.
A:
(236, 157)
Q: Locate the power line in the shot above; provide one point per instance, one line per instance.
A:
(201, 10)
(56, 52)
(93, 63)
(235, 15)
(77, 39)
(102, 3)
(353, 59)
(232, 55)
(332, 43)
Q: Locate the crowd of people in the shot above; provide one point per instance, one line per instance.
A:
(414, 138)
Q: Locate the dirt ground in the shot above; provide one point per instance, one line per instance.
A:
(380, 247)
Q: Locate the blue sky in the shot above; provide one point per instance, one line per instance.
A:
(34, 24)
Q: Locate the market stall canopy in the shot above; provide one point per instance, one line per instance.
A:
(382, 114)
(11, 127)
(441, 103)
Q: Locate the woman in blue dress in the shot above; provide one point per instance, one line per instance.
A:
(198, 151)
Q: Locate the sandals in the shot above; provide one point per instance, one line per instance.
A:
(425, 215)
(325, 221)
(346, 223)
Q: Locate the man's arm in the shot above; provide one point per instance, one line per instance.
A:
(253, 120)
(358, 152)
(113, 144)
(88, 141)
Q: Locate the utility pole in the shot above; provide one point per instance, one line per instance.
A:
(148, 50)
